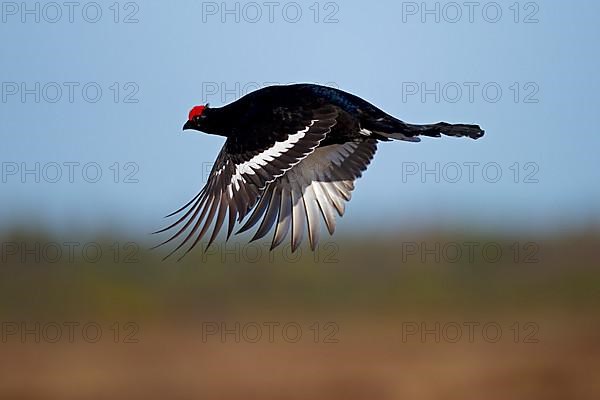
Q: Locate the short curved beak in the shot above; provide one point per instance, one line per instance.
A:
(188, 125)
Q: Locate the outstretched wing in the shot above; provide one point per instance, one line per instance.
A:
(238, 179)
(316, 187)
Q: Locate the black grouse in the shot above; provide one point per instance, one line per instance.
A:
(291, 157)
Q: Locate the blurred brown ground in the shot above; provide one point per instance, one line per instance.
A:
(367, 293)
(369, 362)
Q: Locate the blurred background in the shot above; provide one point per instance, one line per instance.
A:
(462, 269)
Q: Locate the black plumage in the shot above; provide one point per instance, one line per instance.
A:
(291, 157)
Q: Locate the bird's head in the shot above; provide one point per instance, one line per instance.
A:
(197, 118)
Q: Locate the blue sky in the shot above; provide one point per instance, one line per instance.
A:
(541, 131)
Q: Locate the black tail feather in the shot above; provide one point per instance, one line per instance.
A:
(392, 128)
(444, 128)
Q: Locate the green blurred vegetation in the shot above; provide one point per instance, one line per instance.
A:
(391, 274)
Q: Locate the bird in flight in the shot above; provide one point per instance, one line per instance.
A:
(290, 160)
